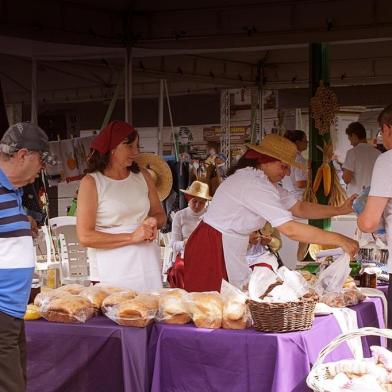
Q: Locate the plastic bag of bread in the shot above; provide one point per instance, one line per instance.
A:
(67, 308)
(32, 312)
(346, 297)
(111, 289)
(173, 307)
(206, 309)
(137, 312)
(44, 297)
(309, 277)
(117, 298)
(236, 314)
(74, 288)
(95, 295)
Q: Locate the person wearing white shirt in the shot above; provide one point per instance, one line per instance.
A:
(359, 162)
(295, 183)
(184, 222)
(242, 204)
(379, 203)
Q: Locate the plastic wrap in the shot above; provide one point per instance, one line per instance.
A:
(32, 312)
(67, 308)
(173, 307)
(117, 298)
(331, 279)
(73, 288)
(95, 295)
(206, 309)
(343, 298)
(136, 312)
(236, 314)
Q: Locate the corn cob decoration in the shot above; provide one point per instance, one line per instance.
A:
(324, 172)
(309, 195)
(338, 196)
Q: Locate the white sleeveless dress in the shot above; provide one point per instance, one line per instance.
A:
(122, 207)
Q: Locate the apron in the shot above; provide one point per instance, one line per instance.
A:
(135, 267)
(234, 250)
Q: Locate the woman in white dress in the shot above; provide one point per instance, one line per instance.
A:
(119, 212)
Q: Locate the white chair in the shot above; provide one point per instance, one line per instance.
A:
(167, 255)
(73, 256)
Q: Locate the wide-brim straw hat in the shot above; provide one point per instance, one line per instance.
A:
(278, 147)
(159, 171)
(198, 189)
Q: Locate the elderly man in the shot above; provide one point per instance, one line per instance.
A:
(23, 153)
(379, 202)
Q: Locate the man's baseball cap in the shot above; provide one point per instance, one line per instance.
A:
(29, 136)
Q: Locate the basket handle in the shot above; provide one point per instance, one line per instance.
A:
(386, 333)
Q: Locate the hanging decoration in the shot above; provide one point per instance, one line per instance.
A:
(324, 107)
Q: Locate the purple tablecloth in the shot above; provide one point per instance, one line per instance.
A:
(188, 359)
(96, 356)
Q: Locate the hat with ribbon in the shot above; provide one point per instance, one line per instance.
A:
(111, 136)
(278, 147)
(198, 189)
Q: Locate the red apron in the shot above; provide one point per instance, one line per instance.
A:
(204, 270)
(175, 274)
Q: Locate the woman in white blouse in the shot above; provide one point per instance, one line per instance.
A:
(184, 222)
(242, 204)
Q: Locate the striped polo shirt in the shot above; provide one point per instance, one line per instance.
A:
(17, 254)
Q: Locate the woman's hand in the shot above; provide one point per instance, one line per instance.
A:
(254, 237)
(349, 246)
(347, 206)
(143, 233)
(153, 224)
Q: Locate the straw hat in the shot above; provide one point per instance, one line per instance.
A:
(159, 171)
(198, 189)
(278, 147)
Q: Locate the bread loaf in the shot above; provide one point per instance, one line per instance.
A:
(235, 315)
(68, 309)
(173, 308)
(206, 309)
(117, 298)
(134, 313)
(73, 288)
(95, 295)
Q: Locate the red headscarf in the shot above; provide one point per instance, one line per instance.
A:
(111, 136)
(260, 158)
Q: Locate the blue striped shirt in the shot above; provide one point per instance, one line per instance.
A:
(17, 255)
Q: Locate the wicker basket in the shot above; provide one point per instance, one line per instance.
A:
(283, 317)
(320, 372)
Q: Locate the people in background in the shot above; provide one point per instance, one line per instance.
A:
(359, 162)
(119, 212)
(379, 203)
(24, 151)
(242, 204)
(184, 222)
(295, 183)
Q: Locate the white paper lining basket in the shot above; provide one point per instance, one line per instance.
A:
(320, 371)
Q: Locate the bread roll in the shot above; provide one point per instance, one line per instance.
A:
(68, 309)
(173, 308)
(206, 309)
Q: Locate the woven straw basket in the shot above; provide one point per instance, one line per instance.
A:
(320, 372)
(283, 317)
